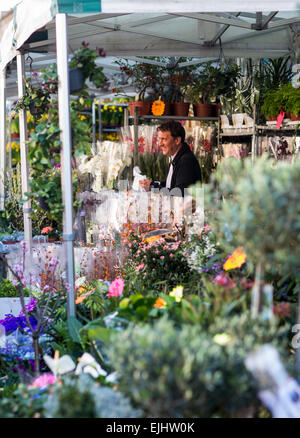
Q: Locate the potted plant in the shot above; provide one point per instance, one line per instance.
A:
(141, 76)
(293, 101)
(83, 67)
(210, 84)
(174, 82)
(272, 75)
(286, 98)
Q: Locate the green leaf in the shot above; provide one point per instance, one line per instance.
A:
(101, 334)
(74, 326)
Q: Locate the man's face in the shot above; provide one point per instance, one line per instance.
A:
(168, 144)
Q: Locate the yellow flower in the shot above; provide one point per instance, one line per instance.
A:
(237, 259)
(222, 339)
(177, 293)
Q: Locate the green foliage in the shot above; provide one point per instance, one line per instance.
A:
(85, 58)
(82, 397)
(260, 211)
(164, 79)
(7, 289)
(189, 372)
(23, 403)
(211, 82)
(285, 98)
(154, 166)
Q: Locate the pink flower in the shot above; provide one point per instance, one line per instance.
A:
(43, 381)
(116, 288)
(141, 266)
(206, 228)
(223, 280)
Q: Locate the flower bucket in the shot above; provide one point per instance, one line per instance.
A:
(224, 121)
(144, 108)
(181, 109)
(248, 121)
(76, 79)
(238, 120)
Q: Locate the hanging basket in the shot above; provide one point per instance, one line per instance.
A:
(76, 79)
(34, 110)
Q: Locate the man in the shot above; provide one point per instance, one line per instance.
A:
(184, 169)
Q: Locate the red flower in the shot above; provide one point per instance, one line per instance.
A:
(207, 145)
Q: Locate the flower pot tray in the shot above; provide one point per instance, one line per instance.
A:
(232, 131)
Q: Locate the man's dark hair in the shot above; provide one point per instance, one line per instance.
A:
(175, 128)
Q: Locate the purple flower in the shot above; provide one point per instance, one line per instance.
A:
(29, 307)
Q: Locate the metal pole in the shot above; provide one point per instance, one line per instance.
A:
(94, 125)
(100, 122)
(66, 155)
(2, 137)
(9, 139)
(254, 138)
(23, 152)
(136, 137)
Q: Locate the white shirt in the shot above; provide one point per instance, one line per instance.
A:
(169, 177)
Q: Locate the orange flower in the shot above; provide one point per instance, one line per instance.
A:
(80, 299)
(152, 239)
(46, 230)
(160, 303)
(236, 259)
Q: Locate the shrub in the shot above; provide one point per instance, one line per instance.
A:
(82, 397)
(190, 372)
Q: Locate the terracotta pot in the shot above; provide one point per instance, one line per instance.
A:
(168, 109)
(294, 118)
(181, 109)
(144, 108)
(272, 118)
(53, 239)
(15, 135)
(204, 109)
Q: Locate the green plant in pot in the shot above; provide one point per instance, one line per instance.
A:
(211, 82)
(85, 59)
(293, 101)
(142, 76)
(286, 98)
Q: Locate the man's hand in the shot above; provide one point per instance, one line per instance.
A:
(145, 184)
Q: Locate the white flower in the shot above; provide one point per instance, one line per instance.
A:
(59, 365)
(87, 364)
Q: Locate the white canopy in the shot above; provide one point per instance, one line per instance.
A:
(129, 28)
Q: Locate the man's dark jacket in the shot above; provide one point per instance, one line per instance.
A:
(186, 170)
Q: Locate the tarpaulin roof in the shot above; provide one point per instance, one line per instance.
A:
(128, 28)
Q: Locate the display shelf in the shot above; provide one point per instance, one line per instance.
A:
(237, 132)
(177, 118)
(111, 129)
